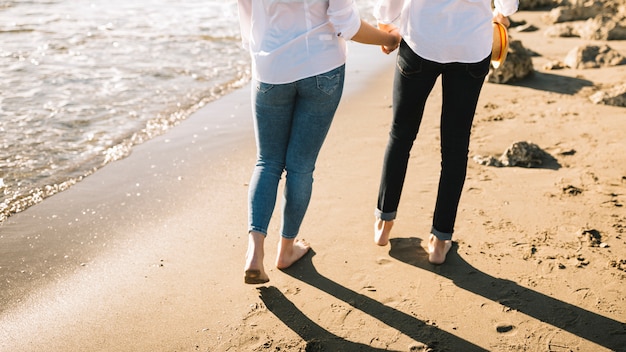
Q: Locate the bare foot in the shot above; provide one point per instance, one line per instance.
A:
(289, 251)
(382, 229)
(438, 249)
(254, 273)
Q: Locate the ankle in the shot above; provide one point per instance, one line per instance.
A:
(382, 230)
(255, 252)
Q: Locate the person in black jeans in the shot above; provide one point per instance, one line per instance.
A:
(451, 39)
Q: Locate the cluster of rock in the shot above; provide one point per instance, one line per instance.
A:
(614, 96)
(592, 20)
(522, 154)
(518, 64)
(603, 20)
(593, 56)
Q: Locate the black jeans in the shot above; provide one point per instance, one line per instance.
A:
(413, 82)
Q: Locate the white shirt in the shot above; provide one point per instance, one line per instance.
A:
(294, 39)
(445, 30)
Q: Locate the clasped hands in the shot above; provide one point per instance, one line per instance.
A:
(391, 29)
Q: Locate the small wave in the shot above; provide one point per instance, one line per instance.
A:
(16, 202)
(84, 82)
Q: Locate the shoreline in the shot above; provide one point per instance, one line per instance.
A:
(98, 228)
(156, 242)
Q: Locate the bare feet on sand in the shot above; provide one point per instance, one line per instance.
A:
(438, 249)
(290, 251)
(254, 273)
(382, 229)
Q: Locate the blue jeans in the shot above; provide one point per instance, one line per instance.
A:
(291, 122)
(413, 82)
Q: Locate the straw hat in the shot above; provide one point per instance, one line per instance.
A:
(500, 45)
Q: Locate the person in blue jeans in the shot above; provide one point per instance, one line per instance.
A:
(451, 39)
(298, 51)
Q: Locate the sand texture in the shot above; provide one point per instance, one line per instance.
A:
(148, 253)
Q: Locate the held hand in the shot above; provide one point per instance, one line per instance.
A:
(500, 18)
(396, 42)
(395, 37)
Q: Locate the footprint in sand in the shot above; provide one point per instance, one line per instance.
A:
(383, 261)
(555, 340)
(418, 347)
(505, 328)
(474, 190)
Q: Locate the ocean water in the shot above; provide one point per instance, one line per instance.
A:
(83, 81)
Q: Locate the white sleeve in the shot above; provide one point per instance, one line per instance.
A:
(245, 20)
(344, 15)
(388, 11)
(506, 7)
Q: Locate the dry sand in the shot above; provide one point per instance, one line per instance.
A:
(148, 253)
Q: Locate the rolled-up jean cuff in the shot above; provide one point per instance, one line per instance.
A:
(385, 216)
(288, 237)
(442, 236)
(258, 230)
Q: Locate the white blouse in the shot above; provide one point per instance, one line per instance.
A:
(290, 40)
(445, 30)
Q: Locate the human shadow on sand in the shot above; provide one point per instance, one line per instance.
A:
(580, 322)
(435, 338)
(316, 337)
(553, 83)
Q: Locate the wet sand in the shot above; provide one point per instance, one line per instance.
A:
(147, 254)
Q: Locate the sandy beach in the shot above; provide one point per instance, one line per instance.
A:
(147, 254)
